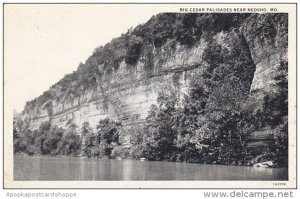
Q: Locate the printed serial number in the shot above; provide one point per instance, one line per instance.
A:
(279, 184)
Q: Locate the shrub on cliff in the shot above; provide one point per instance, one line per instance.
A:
(134, 50)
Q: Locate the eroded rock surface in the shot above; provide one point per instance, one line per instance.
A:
(124, 83)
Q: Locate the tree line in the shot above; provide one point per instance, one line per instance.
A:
(49, 139)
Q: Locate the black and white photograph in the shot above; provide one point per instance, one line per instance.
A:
(149, 93)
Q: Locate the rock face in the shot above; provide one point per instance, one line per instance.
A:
(122, 79)
(267, 37)
(127, 94)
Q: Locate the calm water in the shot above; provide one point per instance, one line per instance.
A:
(62, 168)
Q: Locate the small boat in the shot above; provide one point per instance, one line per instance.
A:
(142, 159)
(267, 164)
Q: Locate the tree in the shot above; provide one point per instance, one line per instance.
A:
(16, 137)
(190, 120)
(107, 135)
(276, 104)
(86, 129)
(160, 135)
(41, 136)
(20, 132)
(281, 147)
(88, 139)
(136, 136)
(276, 115)
(53, 137)
(71, 142)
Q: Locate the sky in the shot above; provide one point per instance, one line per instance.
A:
(42, 43)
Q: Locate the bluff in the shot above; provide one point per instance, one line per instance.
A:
(122, 79)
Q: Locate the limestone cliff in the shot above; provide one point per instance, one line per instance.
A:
(123, 78)
(267, 37)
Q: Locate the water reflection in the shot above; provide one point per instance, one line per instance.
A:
(58, 168)
(127, 170)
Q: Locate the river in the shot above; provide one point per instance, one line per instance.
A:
(75, 168)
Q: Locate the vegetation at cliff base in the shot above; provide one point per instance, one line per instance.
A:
(69, 141)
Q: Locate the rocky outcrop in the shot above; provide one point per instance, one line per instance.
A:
(126, 94)
(122, 79)
(267, 37)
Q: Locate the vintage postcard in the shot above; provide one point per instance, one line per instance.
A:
(150, 96)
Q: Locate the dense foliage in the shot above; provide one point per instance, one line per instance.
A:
(51, 140)
(47, 140)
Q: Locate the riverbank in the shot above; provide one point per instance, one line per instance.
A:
(265, 164)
